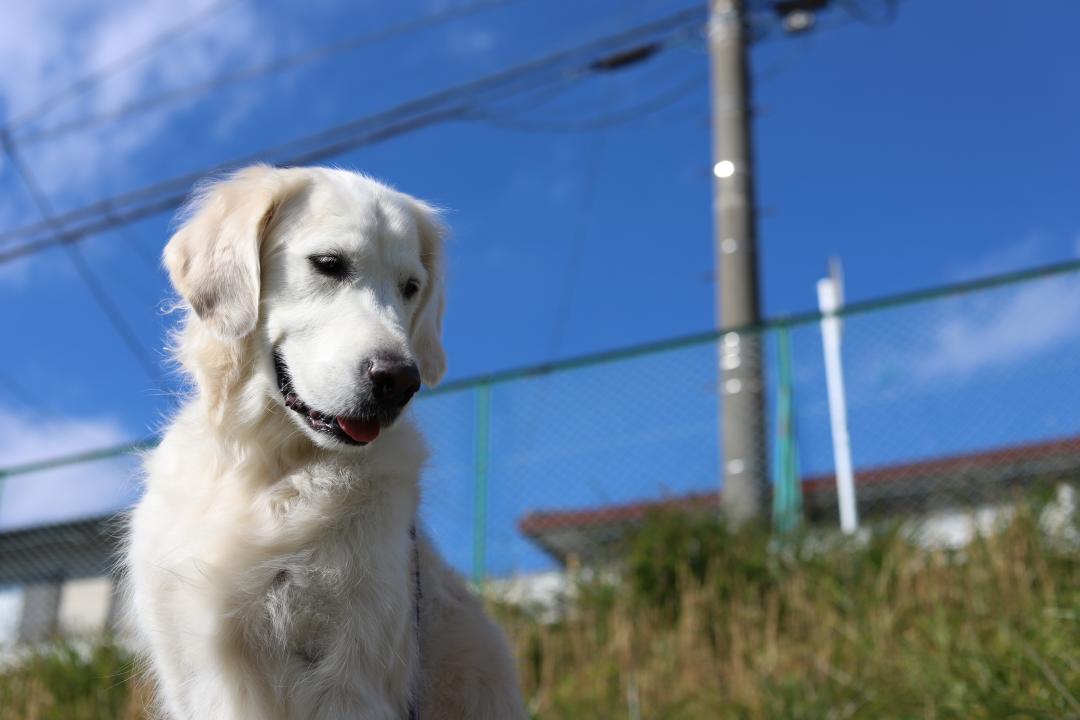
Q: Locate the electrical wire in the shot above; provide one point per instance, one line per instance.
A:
(884, 18)
(181, 185)
(579, 236)
(82, 267)
(488, 83)
(642, 110)
(578, 242)
(273, 67)
(442, 106)
(135, 243)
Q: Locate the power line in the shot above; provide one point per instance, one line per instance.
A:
(181, 185)
(134, 242)
(578, 239)
(882, 18)
(112, 313)
(177, 190)
(639, 111)
(578, 242)
(88, 81)
(82, 267)
(442, 106)
(185, 181)
(273, 67)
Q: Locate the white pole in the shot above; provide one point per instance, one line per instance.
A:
(829, 301)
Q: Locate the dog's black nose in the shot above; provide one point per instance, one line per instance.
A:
(394, 380)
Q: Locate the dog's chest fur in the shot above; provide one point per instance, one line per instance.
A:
(308, 585)
(301, 608)
(339, 604)
(333, 594)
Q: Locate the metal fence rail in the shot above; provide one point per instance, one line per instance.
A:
(957, 398)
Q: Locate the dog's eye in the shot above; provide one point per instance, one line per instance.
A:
(330, 265)
(409, 288)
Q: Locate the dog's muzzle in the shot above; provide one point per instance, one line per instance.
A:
(388, 385)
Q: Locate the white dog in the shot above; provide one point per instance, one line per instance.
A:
(273, 565)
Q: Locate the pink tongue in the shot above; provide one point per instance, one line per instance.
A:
(359, 430)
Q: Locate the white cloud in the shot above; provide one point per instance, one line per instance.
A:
(1003, 327)
(1030, 250)
(1035, 248)
(68, 492)
(44, 46)
(971, 334)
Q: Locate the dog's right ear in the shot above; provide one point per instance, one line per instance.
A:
(427, 324)
(213, 259)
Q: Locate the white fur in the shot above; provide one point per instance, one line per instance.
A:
(270, 567)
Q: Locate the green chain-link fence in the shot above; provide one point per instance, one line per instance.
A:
(955, 398)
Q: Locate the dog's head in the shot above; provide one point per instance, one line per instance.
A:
(333, 279)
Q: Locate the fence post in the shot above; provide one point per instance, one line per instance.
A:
(480, 488)
(787, 484)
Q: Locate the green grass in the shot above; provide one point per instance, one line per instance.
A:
(703, 623)
(744, 626)
(71, 681)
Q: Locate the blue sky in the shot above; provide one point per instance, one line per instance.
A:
(938, 148)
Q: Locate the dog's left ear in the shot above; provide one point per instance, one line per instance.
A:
(427, 323)
(213, 259)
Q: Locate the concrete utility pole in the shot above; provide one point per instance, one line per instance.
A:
(742, 433)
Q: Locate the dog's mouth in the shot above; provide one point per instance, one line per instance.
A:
(349, 429)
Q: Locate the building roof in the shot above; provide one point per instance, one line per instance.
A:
(61, 551)
(916, 487)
